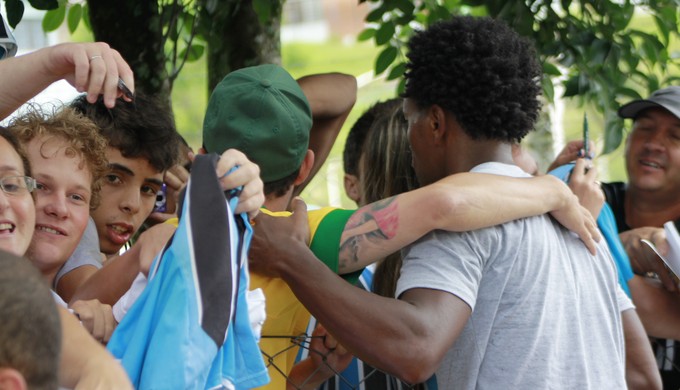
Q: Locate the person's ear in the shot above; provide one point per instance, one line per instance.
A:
(11, 379)
(352, 187)
(305, 167)
(437, 121)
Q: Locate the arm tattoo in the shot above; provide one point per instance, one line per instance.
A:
(380, 222)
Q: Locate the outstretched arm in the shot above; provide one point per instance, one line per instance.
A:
(402, 337)
(331, 97)
(658, 308)
(641, 370)
(460, 202)
(90, 67)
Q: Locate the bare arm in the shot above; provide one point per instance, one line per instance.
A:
(326, 357)
(402, 337)
(658, 308)
(641, 370)
(25, 76)
(643, 259)
(69, 284)
(85, 364)
(461, 202)
(110, 282)
(331, 97)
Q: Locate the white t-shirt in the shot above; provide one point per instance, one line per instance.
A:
(546, 313)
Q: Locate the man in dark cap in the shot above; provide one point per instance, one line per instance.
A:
(641, 207)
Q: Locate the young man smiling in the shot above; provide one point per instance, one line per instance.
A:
(66, 156)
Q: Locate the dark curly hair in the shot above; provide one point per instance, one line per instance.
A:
(139, 129)
(481, 71)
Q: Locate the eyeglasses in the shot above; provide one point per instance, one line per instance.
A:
(16, 185)
(8, 44)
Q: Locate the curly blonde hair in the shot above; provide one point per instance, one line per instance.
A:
(80, 133)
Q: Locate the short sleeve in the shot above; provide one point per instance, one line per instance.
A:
(446, 261)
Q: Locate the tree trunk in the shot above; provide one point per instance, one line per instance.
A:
(237, 39)
(133, 28)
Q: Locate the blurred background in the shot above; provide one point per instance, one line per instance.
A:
(319, 36)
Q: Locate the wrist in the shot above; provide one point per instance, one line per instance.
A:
(294, 259)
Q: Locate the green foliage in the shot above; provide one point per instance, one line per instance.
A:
(15, 9)
(75, 13)
(591, 48)
(180, 23)
(53, 19)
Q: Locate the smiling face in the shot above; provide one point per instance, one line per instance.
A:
(17, 211)
(62, 201)
(653, 152)
(127, 198)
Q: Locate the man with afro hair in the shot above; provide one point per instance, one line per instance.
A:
(522, 305)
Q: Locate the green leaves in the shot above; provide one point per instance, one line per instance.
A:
(44, 4)
(384, 33)
(263, 9)
(15, 11)
(53, 19)
(613, 131)
(193, 52)
(606, 59)
(385, 59)
(75, 13)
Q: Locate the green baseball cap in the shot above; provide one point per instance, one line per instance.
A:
(262, 112)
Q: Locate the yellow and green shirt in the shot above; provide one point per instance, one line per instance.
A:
(286, 316)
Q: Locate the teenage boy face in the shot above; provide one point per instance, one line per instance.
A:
(17, 211)
(127, 198)
(62, 201)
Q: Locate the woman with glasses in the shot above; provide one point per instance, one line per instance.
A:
(94, 68)
(82, 360)
(17, 211)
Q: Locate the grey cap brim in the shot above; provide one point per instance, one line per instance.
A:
(667, 98)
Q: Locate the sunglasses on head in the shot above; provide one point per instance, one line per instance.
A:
(8, 45)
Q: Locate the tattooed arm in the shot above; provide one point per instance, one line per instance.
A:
(460, 202)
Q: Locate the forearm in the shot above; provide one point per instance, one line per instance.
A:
(69, 283)
(474, 200)
(641, 370)
(84, 362)
(461, 202)
(22, 78)
(110, 282)
(386, 333)
(658, 309)
(306, 375)
(72, 333)
(330, 95)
